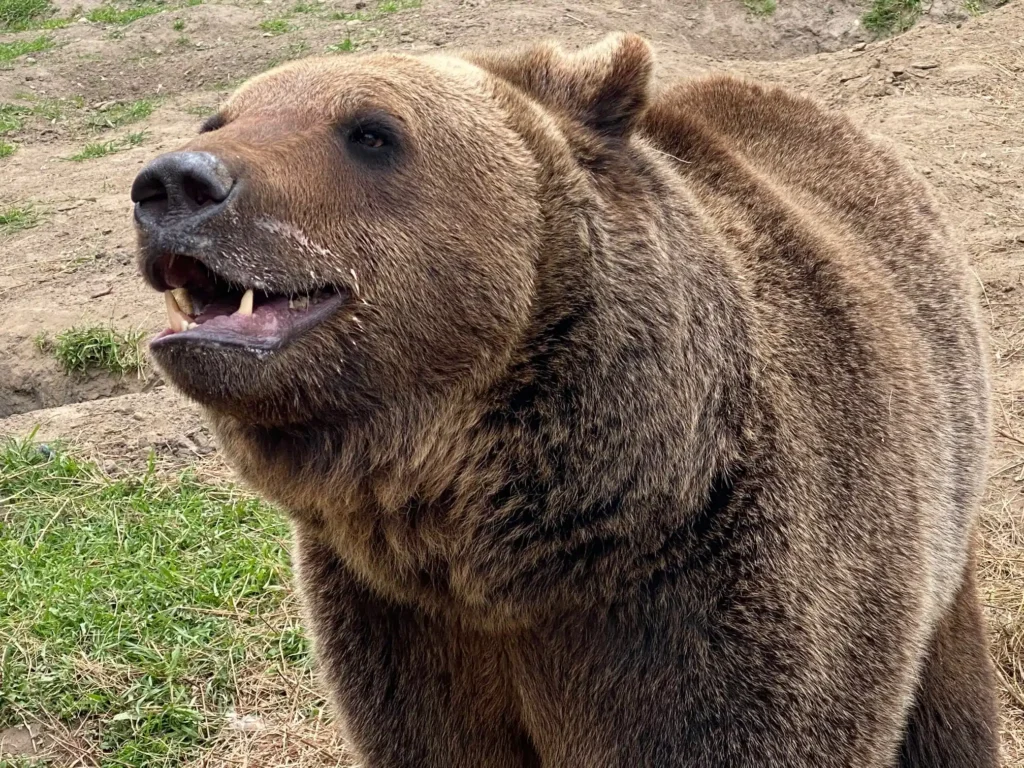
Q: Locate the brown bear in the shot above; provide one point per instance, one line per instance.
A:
(618, 428)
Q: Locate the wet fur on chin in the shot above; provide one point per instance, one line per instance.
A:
(696, 487)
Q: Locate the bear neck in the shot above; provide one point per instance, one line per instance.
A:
(633, 386)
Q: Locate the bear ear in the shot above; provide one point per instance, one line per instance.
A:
(605, 86)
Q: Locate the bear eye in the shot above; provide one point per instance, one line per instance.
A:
(375, 139)
(368, 138)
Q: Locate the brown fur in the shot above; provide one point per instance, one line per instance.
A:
(653, 435)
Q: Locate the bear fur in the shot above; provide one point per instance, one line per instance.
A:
(653, 433)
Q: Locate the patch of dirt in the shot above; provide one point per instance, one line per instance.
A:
(24, 741)
(949, 95)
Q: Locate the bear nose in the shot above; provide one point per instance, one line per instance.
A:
(180, 188)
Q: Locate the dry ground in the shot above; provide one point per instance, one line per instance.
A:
(949, 95)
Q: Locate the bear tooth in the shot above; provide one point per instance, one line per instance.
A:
(300, 303)
(176, 319)
(184, 300)
(245, 307)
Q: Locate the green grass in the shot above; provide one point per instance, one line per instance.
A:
(178, 25)
(889, 17)
(760, 7)
(201, 110)
(21, 14)
(6, 150)
(345, 46)
(275, 26)
(973, 7)
(123, 113)
(82, 349)
(393, 6)
(382, 8)
(134, 607)
(16, 219)
(11, 51)
(104, 148)
(12, 116)
(109, 14)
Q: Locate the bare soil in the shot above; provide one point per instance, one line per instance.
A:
(949, 95)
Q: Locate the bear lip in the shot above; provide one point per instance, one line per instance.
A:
(204, 308)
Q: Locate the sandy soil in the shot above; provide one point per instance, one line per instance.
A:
(949, 95)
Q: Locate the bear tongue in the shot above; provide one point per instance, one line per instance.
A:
(266, 320)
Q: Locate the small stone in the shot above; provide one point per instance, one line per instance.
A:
(860, 46)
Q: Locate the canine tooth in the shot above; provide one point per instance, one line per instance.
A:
(191, 326)
(245, 307)
(300, 303)
(184, 300)
(176, 319)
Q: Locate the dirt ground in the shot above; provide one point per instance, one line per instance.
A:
(949, 95)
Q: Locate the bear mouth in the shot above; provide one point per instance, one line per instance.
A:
(204, 307)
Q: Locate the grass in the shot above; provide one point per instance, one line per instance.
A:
(382, 8)
(393, 6)
(12, 116)
(110, 14)
(275, 26)
(6, 150)
(760, 7)
(201, 110)
(16, 219)
(123, 113)
(889, 17)
(104, 148)
(345, 46)
(82, 349)
(20, 14)
(136, 609)
(11, 51)
(178, 25)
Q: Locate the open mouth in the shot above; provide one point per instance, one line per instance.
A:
(202, 306)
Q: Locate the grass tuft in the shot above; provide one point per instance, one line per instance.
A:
(104, 148)
(90, 348)
(131, 608)
(275, 26)
(393, 6)
(890, 17)
(345, 46)
(6, 150)
(123, 113)
(22, 14)
(16, 219)
(11, 51)
(109, 14)
(760, 7)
